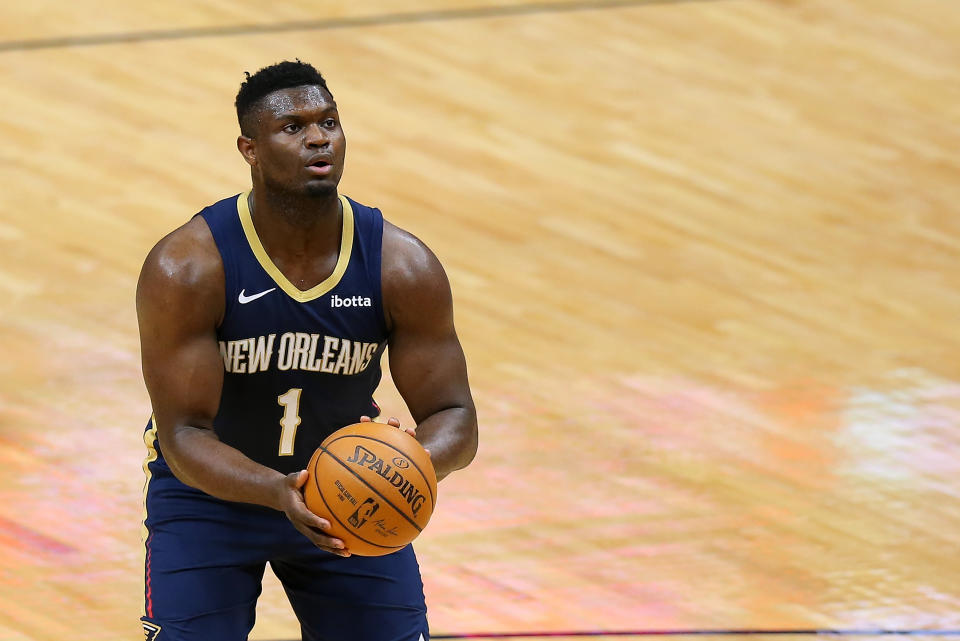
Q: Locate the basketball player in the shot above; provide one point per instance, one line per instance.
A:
(262, 323)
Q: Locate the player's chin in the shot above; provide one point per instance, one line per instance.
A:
(320, 188)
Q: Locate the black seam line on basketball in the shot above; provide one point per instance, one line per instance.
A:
(372, 489)
(377, 20)
(345, 526)
(433, 500)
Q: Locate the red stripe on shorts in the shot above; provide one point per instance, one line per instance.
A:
(149, 590)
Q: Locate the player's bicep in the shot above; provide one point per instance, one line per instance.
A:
(184, 377)
(426, 359)
(177, 311)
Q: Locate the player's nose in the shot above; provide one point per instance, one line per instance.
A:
(315, 136)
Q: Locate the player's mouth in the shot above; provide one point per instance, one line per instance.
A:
(320, 168)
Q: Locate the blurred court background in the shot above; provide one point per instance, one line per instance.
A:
(705, 265)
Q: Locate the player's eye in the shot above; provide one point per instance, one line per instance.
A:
(291, 128)
(330, 122)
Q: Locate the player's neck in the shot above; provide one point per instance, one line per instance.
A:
(296, 210)
(295, 223)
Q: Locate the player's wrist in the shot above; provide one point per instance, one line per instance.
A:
(278, 496)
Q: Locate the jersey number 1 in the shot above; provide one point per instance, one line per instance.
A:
(290, 401)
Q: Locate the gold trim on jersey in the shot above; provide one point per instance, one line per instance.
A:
(149, 439)
(346, 247)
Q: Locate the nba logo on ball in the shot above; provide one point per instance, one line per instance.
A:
(384, 464)
(368, 507)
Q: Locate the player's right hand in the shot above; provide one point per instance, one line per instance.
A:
(307, 523)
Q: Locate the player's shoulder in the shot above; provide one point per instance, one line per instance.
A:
(182, 281)
(411, 273)
(406, 259)
(186, 255)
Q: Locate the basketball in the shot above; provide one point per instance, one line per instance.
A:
(375, 484)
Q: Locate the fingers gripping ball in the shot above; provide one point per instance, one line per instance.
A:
(376, 486)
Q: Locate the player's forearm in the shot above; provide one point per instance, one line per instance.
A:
(199, 459)
(451, 437)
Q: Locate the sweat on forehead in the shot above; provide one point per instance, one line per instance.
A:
(281, 101)
(285, 100)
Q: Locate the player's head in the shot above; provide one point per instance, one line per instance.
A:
(283, 75)
(290, 129)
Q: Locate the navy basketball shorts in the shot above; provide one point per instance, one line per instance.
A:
(205, 559)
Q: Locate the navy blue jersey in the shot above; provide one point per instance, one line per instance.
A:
(297, 364)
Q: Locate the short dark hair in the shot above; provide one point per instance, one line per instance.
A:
(282, 75)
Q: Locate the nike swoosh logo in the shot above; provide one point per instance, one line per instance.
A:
(244, 299)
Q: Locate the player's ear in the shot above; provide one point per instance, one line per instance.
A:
(248, 149)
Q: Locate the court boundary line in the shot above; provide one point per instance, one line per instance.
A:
(851, 632)
(376, 20)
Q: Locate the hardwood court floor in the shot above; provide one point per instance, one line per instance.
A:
(706, 272)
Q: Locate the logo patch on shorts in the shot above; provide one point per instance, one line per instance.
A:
(150, 630)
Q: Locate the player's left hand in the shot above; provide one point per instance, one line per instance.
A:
(395, 422)
(412, 431)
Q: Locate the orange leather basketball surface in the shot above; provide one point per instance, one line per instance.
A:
(375, 484)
